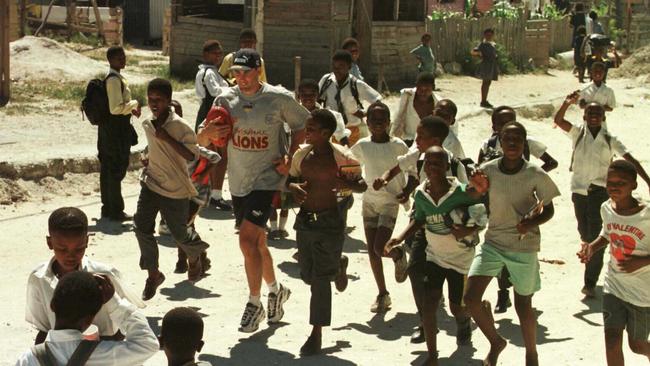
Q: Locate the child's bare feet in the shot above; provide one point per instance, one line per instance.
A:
(430, 361)
(497, 347)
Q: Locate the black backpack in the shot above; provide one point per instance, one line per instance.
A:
(95, 102)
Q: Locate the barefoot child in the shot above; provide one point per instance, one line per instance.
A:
(166, 187)
(181, 337)
(376, 154)
(488, 69)
(626, 299)
(512, 240)
(593, 149)
(447, 258)
(68, 239)
(318, 171)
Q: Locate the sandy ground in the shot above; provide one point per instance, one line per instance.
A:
(569, 330)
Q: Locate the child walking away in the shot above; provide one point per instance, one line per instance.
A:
(167, 187)
(512, 240)
(181, 337)
(352, 45)
(342, 92)
(626, 299)
(424, 55)
(247, 40)
(318, 171)
(598, 91)
(377, 154)
(68, 345)
(593, 150)
(414, 104)
(68, 240)
(579, 56)
(488, 69)
(490, 150)
(437, 200)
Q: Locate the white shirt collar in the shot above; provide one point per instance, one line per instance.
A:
(453, 181)
(63, 335)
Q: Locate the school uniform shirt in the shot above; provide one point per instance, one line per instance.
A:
(227, 62)
(40, 288)
(591, 157)
(603, 95)
(375, 159)
(408, 163)
(139, 345)
(627, 235)
(427, 60)
(119, 102)
(511, 197)
(536, 147)
(356, 71)
(442, 247)
(166, 173)
(340, 132)
(407, 118)
(256, 139)
(452, 143)
(348, 103)
(209, 78)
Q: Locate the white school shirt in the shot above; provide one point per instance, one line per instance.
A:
(214, 82)
(40, 289)
(407, 118)
(592, 157)
(138, 346)
(452, 143)
(367, 96)
(627, 235)
(603, 95)
(340, 132)
(408, 163)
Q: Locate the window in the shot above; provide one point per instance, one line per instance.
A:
(407, 10)
(230, 10)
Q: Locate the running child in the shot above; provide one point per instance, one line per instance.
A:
(518, 190)
(437, 200)
(318, 171)
(181, 337)
(377, 154)
(68, 240)
(488, 69)
(626, 299)
(593, 149)
(598, 91)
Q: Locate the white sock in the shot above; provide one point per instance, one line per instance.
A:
(216, 194)
(274, 287)
(255, 300)
(274, 225)
(283, 222)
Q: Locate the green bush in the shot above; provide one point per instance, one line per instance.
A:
(445, 14)
(503, 9)
(506, 65)
(551, 12)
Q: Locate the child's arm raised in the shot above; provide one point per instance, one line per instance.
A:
(480, 184)
(638, 167)
(559, 116)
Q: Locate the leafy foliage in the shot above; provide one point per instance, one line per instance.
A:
(503, 9)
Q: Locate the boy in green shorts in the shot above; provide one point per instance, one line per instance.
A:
(512, 239)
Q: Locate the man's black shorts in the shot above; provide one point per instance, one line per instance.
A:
(255, 207)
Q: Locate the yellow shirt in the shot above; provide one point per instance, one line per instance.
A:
(224, 69)
(119, 103)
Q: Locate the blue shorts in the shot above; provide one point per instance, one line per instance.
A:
(523, 267)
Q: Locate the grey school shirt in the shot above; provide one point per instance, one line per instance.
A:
(258, 135)
(511, 197)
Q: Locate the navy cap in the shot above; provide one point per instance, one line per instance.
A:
(246, 59)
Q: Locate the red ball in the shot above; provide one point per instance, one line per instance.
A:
(221, 116)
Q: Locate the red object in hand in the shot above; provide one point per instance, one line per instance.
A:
(222, 117)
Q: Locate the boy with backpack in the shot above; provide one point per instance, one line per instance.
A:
(593, 150)
(342, 92)
(67, 345)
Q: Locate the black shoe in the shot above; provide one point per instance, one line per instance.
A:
(341, 280)
(151, 285)
(121, 217)
(503, 302)
(221, 204)
(418, 335)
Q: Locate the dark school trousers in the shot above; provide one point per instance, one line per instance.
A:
(175, 212)
(587, 210)
(114, 147)
(320, 240)
(417, 265)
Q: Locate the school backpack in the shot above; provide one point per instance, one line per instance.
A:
(354, 89)
(493, 153)
(95, 102)
(79, 357)
(583, 130)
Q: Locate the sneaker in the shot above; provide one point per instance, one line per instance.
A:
(503, 302)
(221, 204)
(151, 285)
(181, 264)
(401, 266)
(163, 229)
(253, 316)
(283, 233)
(194, 270)
(275, 235)
(417, 336)
(382, 304)
(341, 279)
(464, 332)
(276, 312)
(589, 292)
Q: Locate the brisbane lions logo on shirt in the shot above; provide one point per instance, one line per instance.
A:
(250, 139)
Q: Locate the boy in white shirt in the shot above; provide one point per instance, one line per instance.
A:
(377, 154)
(68, 239)
(626, 299)
(593, 150)
(598, 91)
(73, 317)
(414, 104)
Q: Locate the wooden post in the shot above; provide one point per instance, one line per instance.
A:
(396, 10)
(297, 74)
(23, 17)
(98, 19)
(47, 15)
(5, 80)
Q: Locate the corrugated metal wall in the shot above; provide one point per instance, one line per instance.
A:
(156, 17)
(136, 20)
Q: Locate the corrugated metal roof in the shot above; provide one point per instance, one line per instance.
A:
(156, 17)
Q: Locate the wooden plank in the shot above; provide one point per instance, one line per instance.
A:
(5, 79)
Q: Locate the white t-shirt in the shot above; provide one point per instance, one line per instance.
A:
(208, 77)
(627, 235)
(375, 159)
(408, 163)
(452, 143)
(367, 95)
(40, 289)
(603, 95)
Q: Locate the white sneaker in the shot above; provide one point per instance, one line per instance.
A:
(276, 312)
(382, 304)
(163, 229)
(253, 316)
